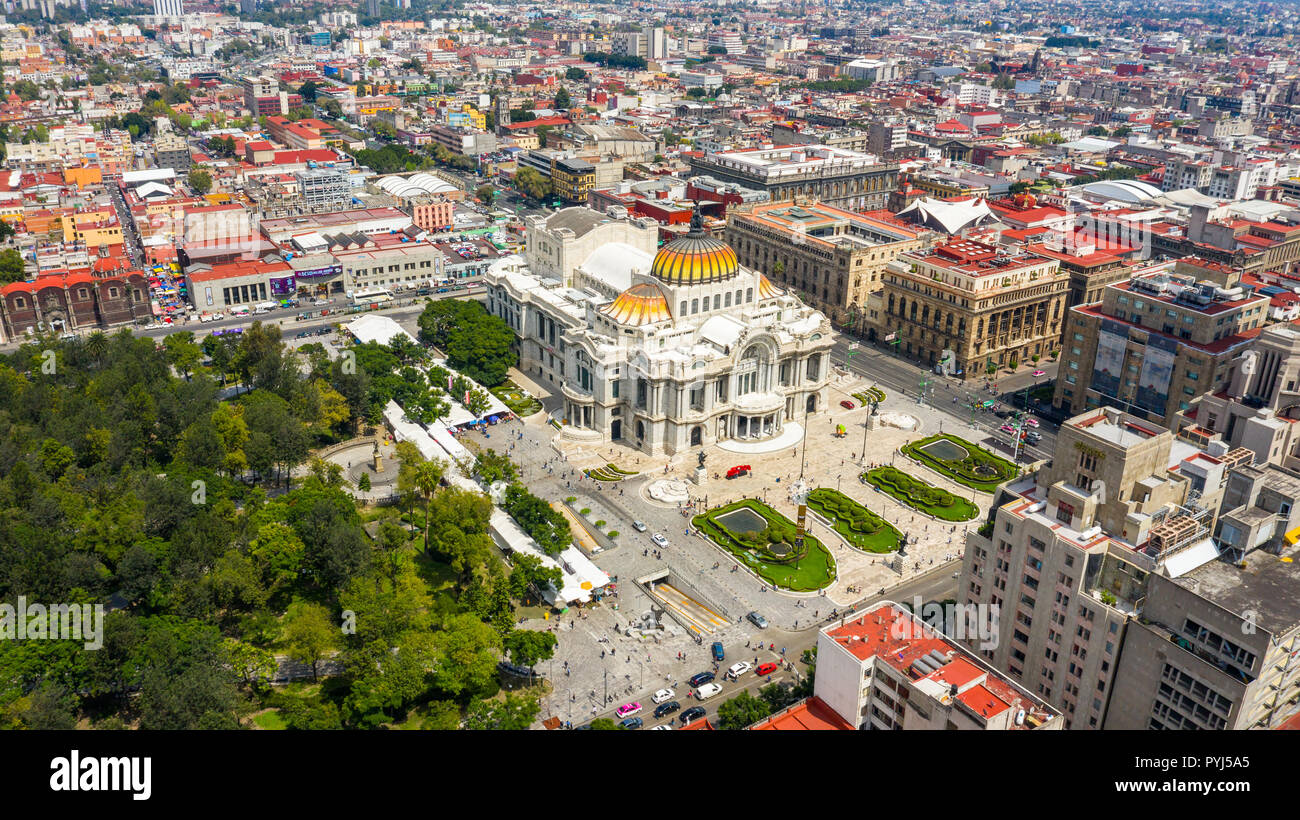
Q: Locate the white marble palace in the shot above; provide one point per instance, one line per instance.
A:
(664, 351)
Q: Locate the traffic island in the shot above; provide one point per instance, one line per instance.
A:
(763, 540)
(920, 495)
(858, 526)
(965, 463)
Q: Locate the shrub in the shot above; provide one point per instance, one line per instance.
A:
(584, 511)
(600, 523)
(921, 495)
(570, 499)
(860, 527)
(613, 533)
(965, 471)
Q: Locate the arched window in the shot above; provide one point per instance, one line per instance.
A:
(749, 294)
(682, 311)
(727, 301)
(695, 306)
(640, 430)
(739, 294)
(717, 301)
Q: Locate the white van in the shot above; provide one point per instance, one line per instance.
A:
(265, 307)
(240, 310)
(707, 690)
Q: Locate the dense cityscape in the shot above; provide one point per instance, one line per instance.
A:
(452, 365)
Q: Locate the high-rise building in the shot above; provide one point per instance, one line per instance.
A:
(887, 669)
(1068, 555)
(168, 8)
(1260, 403)
(1157, 341)
(836, 176)
(372, 8)
(656, 43)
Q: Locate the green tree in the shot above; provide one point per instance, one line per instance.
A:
(12, 267)
(466, 652)
(528, 647)
(491, 467)
(562, 99)
(741, 711)
(486, 194)
(604, 724)
(427, 477)
(511, 713)
(200, 181)
(309, 633)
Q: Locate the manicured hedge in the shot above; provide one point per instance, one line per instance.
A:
(921, 495)
(860, 527)
(963, 471)
(814, 569)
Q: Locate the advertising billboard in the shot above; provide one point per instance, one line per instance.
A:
(1108, 366)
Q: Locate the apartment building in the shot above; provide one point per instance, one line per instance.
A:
(324, 189)
(965, 306)
(1183, 173)
(172, 151)
(728, 40)
(887, 669)
(834, 257)
(1068, 554)
(1218, 646)
(836, 176)
(1156, 342)
(1260, 403)
(469, 142)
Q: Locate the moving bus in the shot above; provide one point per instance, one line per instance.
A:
(372, 296)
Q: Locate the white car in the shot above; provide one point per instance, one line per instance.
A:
(661, 728)
(738, 669)
(659, 539)
(707, 690)
(639, 526)
(662, 696)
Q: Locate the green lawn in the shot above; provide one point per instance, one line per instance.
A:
(859, 526)
(979, 470)
(270, 720)
(517, 399)
(814, 570)
(922, 495)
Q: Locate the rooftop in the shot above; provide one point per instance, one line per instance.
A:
(1266, 586)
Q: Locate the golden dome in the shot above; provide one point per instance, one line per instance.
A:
(766, 289)
(695, 258)
(640, 304)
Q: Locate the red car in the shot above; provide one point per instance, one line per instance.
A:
(765, 669)
(737, 472)
(846, 404)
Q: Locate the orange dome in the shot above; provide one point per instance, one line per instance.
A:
(641, 304)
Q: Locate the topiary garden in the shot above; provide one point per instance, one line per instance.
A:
(963, 462)
(859, 526)
(770, 552)
(921, 495)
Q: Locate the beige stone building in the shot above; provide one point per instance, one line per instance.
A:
(1068, 557)
(1155, 343)
(964, 305)
(834, 258)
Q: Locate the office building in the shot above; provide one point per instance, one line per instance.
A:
(836, 176)
(1157, 341)
(834, 258)
(967, 307)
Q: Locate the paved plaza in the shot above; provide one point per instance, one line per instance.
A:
(634, 666)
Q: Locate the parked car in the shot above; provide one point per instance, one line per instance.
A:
(757, 620)
(661, 727)
(707, 691)
(701, 679)
(301, 334)
(765, 669)
(639, 526)
(738, 471)
(628, 709)
(667, 708)
(693, 713)
(846, 404)
(662, 695)
(738, 669)
(659, 539)
(632, 723)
